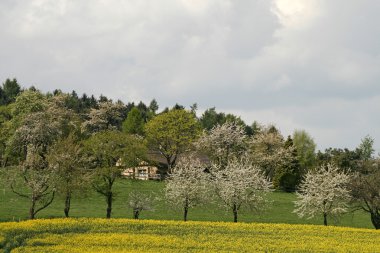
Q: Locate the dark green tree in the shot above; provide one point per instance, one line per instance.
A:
(288, 176)
(153, 106)
(10, 90)
(178, 107)
(343, 158)
(211, 118)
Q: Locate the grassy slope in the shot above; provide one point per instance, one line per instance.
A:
(13, 207)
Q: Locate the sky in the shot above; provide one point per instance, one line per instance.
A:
(298, 64)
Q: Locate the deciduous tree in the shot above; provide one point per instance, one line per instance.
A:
(323, 191)
(366, 149)
(31, 141)
(366, 183)
(223, 143)
(305, 147)
(139, 202)
(267, 151)
(69, 167)
(108, 149)
(172, 133)
(239, 185)
(366, 191)
(107, 117)
(186, 187)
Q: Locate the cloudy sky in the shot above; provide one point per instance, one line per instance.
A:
(301, 64)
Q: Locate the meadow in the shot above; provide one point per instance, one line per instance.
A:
(277, 229)
(91, 204)
(123, 235)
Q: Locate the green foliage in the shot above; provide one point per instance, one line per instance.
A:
(10, 90)
(80, 105)
(153, 106)
(210, 118)
(172, 133)
(38, 124)
(305, 147)
(28, 102)
(134, 124)
(288, 176)
(107, 147)
(6, 131)
(365, 187)
(366, 149)
(110, 152)
(343, 158)
(69, 165)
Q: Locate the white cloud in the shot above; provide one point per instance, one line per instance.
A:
(297, 14)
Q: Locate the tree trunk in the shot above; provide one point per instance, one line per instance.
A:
(136, 214)
(169, 165)
(109, 205)
(185, 210)
(235, 211)
(5, 162)
(325, 219)
(375, 218)
(67, 204)
(32, 209)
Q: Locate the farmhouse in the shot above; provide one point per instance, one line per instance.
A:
(144, 171)
(155, 168)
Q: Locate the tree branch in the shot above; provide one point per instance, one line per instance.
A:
(46, 204)
(18, 193)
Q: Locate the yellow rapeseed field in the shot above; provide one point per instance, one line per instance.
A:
(124, 235)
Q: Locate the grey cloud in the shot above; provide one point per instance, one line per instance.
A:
(316, 69)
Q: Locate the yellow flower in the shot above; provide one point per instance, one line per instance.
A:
(124, 235)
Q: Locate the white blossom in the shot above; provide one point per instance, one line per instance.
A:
(268, 152)
(223, 142)
(186, 186)
(324, 192)
(107, 117)
(241, 184)
(139, 201)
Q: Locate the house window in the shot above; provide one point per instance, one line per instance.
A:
(142, 173)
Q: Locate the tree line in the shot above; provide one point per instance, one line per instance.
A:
(60, 143)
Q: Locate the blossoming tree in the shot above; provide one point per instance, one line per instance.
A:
(323, 191)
